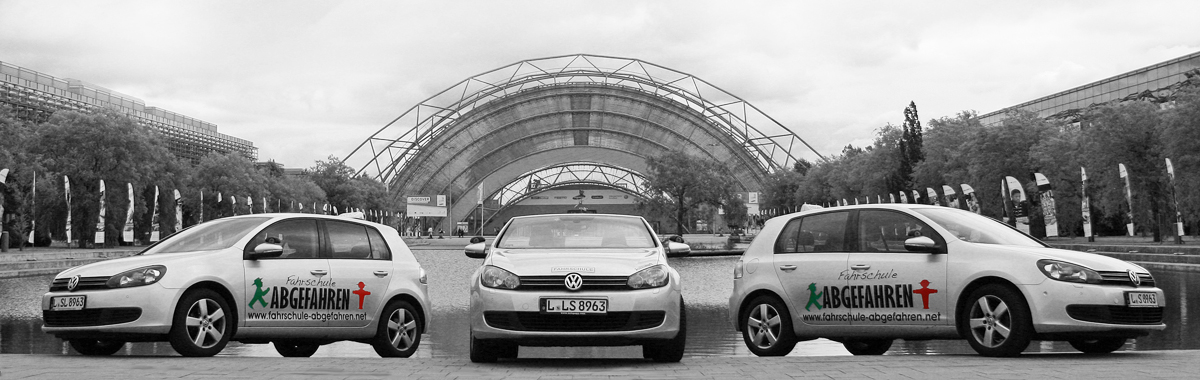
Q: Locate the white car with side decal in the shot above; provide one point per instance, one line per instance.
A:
(295, 280)
(868, 274)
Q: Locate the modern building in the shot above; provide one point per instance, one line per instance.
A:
(1156, 83)
(36, 96)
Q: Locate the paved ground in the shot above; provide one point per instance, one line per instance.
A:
(1122, 365)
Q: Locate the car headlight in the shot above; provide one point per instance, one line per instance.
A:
(137, 277)
(1064, 271)
(651, 277)
(494, 277)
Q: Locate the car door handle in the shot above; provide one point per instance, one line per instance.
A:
(860, 267)
(381, 273)
(318, 272)
(787, 268)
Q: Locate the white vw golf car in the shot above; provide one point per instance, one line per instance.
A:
(576, 280)
(865, 275)
(295, 280)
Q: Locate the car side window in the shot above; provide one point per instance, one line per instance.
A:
(297, 236)
(349, 241)
(814, 233)
(379, 247)
(886, 231)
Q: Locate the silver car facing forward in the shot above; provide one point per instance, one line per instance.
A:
(576, 280)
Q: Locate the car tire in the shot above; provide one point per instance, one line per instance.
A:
(482, 351)
(996, 321)
(202, 324)
(762, 336)
(671, 350)
(867, 346)
(399, 332)
(95, 347)
(295, 349)
(1097, 345)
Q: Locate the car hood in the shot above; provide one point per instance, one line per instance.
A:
(598, 262)
(114, 266)
(1090, 260)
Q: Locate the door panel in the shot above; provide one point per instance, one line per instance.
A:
(890, 285)
(810, 256)
(286, 291)
(358, 263)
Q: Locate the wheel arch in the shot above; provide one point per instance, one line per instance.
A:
(755, 294)
(416, 304)
(966, 291)
(224, 292)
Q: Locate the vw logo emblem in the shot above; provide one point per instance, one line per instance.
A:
(1133, 277)
(72, 283)
(573, 281)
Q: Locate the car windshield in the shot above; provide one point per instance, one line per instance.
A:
(577, 231)
(975, 228)
(216, 234)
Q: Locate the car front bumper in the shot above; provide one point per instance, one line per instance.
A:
(107, 313)
(632, 317)
(1067, 309)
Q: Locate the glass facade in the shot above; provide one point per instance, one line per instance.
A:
(1156, 83)
(36, 96)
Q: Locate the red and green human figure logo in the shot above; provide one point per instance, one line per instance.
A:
(259, 293)
(925, 291)
(362, 293)
(813, 297)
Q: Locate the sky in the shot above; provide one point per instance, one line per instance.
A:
(305, 80)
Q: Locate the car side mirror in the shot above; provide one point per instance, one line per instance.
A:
(265, 250)
(922, 244)
(678, 249)
(476, 250)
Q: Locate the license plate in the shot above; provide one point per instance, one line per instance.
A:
(574, 305)
(68, 303)
(1141, 299)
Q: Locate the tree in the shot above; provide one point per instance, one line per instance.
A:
(681, 182)
(1180, 139)
(1127, 134)
(911, 145)
(106, 145)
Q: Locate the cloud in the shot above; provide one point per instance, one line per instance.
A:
(306, 79)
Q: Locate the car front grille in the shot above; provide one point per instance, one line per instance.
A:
(1121, 278)
(85, 283)
(613, 321)
(595, 283)
(1122, 315)
(91, 317)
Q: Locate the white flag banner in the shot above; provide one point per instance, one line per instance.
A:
(127, 230)
(250, 203)
(201, 218)
(1046, 196)
(970, 199)
(1128, 198)
(1175, 200)
(178, 212)
(233, 204)
(154, 234)
(1086, 204)
(903, 197)
(916, 197)
(67, 194)
(1015, 194)
(933, 197)
(33, 222)
(99, 239)
(951, 196)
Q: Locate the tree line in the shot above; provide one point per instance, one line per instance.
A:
(87, 147)
(959, 149)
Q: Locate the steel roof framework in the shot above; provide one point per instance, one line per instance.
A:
(385, 153)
